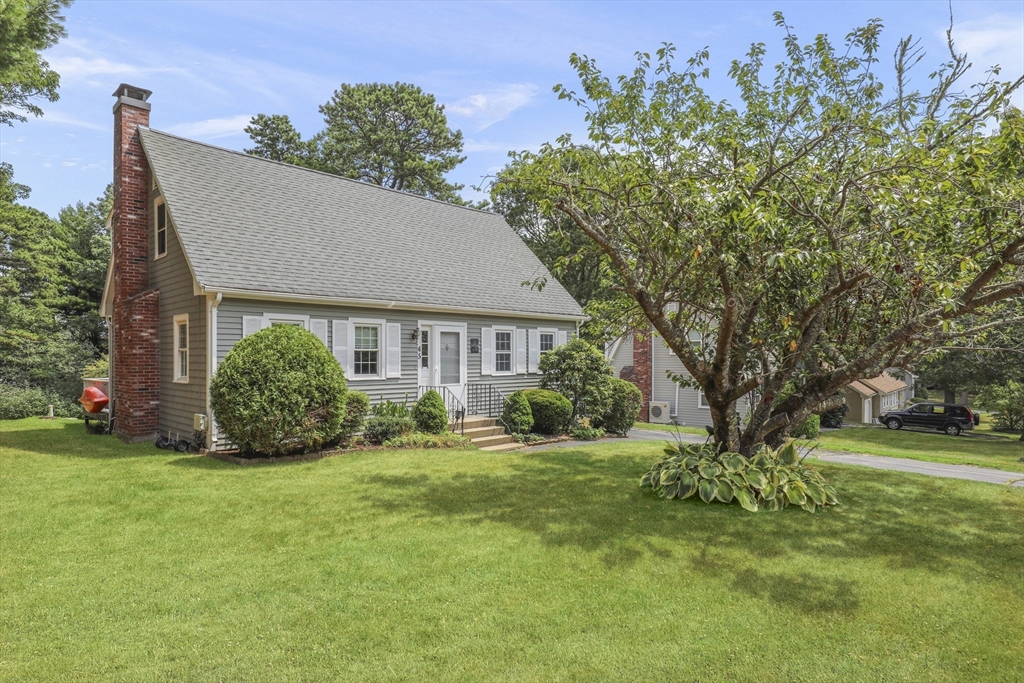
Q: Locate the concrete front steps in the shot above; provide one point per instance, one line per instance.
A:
(488, 435)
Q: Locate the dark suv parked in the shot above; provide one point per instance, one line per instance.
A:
(946, 417)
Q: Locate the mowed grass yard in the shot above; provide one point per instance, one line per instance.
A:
(981, 450)
(130, 564)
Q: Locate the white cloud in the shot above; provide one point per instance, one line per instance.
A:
(64, 119)
(211, 128)
(79, 68)
(996, 39)
(486, 109)
(69, 163)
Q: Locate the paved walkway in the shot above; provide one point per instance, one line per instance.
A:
(934, 469)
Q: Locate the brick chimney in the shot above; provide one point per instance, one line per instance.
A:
(642, 369)
(135, 337)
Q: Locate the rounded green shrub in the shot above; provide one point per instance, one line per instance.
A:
(518, 416)
(430, 414)
(809, 429)
(551, 411)
(381, 429)
(834, 418)
(277, 391)
(357, 404)
(578, 370)
(624, 400)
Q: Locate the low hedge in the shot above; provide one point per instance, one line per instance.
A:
(421, 440)
(551, 411)
(381, 429)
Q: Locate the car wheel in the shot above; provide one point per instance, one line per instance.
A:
(893, 424)
(953, 430)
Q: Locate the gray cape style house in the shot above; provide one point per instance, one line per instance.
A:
(210, 245)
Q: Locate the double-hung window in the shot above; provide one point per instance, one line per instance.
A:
(161, 229)
(181, 348)
(366, 350)
(503, 351)
(547, 342)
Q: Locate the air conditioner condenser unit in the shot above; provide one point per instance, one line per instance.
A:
(660, 413)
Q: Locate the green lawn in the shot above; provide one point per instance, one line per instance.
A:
(130, 564)
(1003, 454)
(651, 427)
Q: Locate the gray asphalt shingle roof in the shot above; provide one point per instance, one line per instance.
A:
(251, 224)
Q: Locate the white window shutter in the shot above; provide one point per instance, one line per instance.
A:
(319, 327)
(520, 351)
(394, 340)
(487, 351)
(563, 337)
(341, 336)
(251, 324)
(534, 350)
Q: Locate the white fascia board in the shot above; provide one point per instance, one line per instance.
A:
(373, 303)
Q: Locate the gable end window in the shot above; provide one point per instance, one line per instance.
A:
(161, 230)
(181, 348)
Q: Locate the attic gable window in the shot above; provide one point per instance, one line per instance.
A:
(161, 230)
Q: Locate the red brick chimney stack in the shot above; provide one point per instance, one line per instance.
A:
(135, 337)
(642, 370)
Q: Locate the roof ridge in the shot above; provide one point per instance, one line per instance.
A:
(313, 170)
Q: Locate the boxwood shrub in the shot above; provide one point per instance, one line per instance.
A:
(430, 414)
(357, 404)
(279, 390)
(551, 411)
(623, 407)
(518, 416)
(381, 429)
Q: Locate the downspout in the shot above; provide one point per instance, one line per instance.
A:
(211, 364)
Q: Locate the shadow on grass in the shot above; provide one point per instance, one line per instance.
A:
(579, 499)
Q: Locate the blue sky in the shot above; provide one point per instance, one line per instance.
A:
(212, 65)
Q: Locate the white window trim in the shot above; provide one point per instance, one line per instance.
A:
(271, 318)
(434, 370)
(382, 348)
(179, 377)
(700, 400)
(553, 331)
(156, 228)
(512, 352)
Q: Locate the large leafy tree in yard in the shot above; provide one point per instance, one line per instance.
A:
(393, 135)
(822, 229)
(28, 27)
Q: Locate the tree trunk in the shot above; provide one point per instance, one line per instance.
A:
(948, 395)
(963, 397)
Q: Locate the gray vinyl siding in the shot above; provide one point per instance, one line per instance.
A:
(171, 275)
(686, 410)
(623, 357)
(232, 310)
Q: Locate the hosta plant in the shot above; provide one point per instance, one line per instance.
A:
(768, 480)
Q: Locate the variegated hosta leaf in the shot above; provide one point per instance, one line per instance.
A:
(687, 485)
(670, 491)
(708, 469)
(669, 476)
(788, 455)
(724, 492)
(755, 478)
(809, 505)
(815, 493)
(708, 489)
(795, 495)
(733, 462)
(762, 461)
(746, 499)
(768, 492)
(737, 479)
(831, 497)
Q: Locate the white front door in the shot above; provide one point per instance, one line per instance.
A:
(868, 417)
(450, 363)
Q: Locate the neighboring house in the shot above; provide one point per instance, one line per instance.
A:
(646, 360)
(211, 245)
(869, 397)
